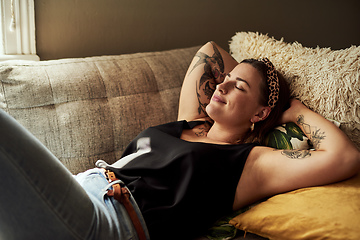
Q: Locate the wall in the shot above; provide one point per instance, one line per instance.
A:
(80, 28)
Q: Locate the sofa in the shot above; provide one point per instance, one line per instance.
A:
(86, 109)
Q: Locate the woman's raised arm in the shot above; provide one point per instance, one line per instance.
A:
(269, 171)
(335, 157)
(207, 69)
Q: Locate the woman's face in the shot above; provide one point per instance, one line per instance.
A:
(236, 101)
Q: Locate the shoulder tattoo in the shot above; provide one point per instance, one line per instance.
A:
(202, 130)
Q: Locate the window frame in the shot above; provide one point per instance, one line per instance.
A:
(18, 44)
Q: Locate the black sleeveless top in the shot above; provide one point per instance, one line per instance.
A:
(181, 187)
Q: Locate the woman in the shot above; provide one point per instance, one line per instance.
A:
(182, 175)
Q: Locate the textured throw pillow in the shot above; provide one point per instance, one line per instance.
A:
(328, 82)
(325, 80)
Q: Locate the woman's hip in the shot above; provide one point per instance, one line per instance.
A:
(113, 220)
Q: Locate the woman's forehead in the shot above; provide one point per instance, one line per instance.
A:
(247, 72)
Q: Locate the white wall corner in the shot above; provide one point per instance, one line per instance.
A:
(19, 43)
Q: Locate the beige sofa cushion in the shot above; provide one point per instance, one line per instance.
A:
(90, 108)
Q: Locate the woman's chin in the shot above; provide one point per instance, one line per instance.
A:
(209, 111)
(214, 115)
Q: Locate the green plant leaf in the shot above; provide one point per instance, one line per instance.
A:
(221, 229)
(294, 131)
(278, 139)
(222, 232)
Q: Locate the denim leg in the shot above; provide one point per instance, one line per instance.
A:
(41, 199)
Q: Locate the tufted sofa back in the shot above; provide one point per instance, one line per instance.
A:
(85, 109)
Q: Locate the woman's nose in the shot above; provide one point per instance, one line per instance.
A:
(222, 87)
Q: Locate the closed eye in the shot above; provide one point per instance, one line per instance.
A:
(239, 88)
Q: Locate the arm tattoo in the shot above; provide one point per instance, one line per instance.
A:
(296, 154)
(314, 133)
(213, 74)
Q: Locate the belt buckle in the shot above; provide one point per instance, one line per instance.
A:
(122, 195)
(110, 175)
(118, 191)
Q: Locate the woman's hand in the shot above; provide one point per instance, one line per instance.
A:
(290, 115)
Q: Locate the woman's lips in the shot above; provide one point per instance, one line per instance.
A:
(217, 98)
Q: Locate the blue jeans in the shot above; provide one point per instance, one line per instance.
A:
(41, 199)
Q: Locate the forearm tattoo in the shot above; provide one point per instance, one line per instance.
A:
(316, 136)
(213, 74)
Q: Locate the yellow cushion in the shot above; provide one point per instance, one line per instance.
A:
(326, 212)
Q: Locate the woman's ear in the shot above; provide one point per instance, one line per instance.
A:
(263, 113)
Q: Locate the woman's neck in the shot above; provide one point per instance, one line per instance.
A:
(226, 134)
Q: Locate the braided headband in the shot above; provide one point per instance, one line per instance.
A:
(272, 81)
